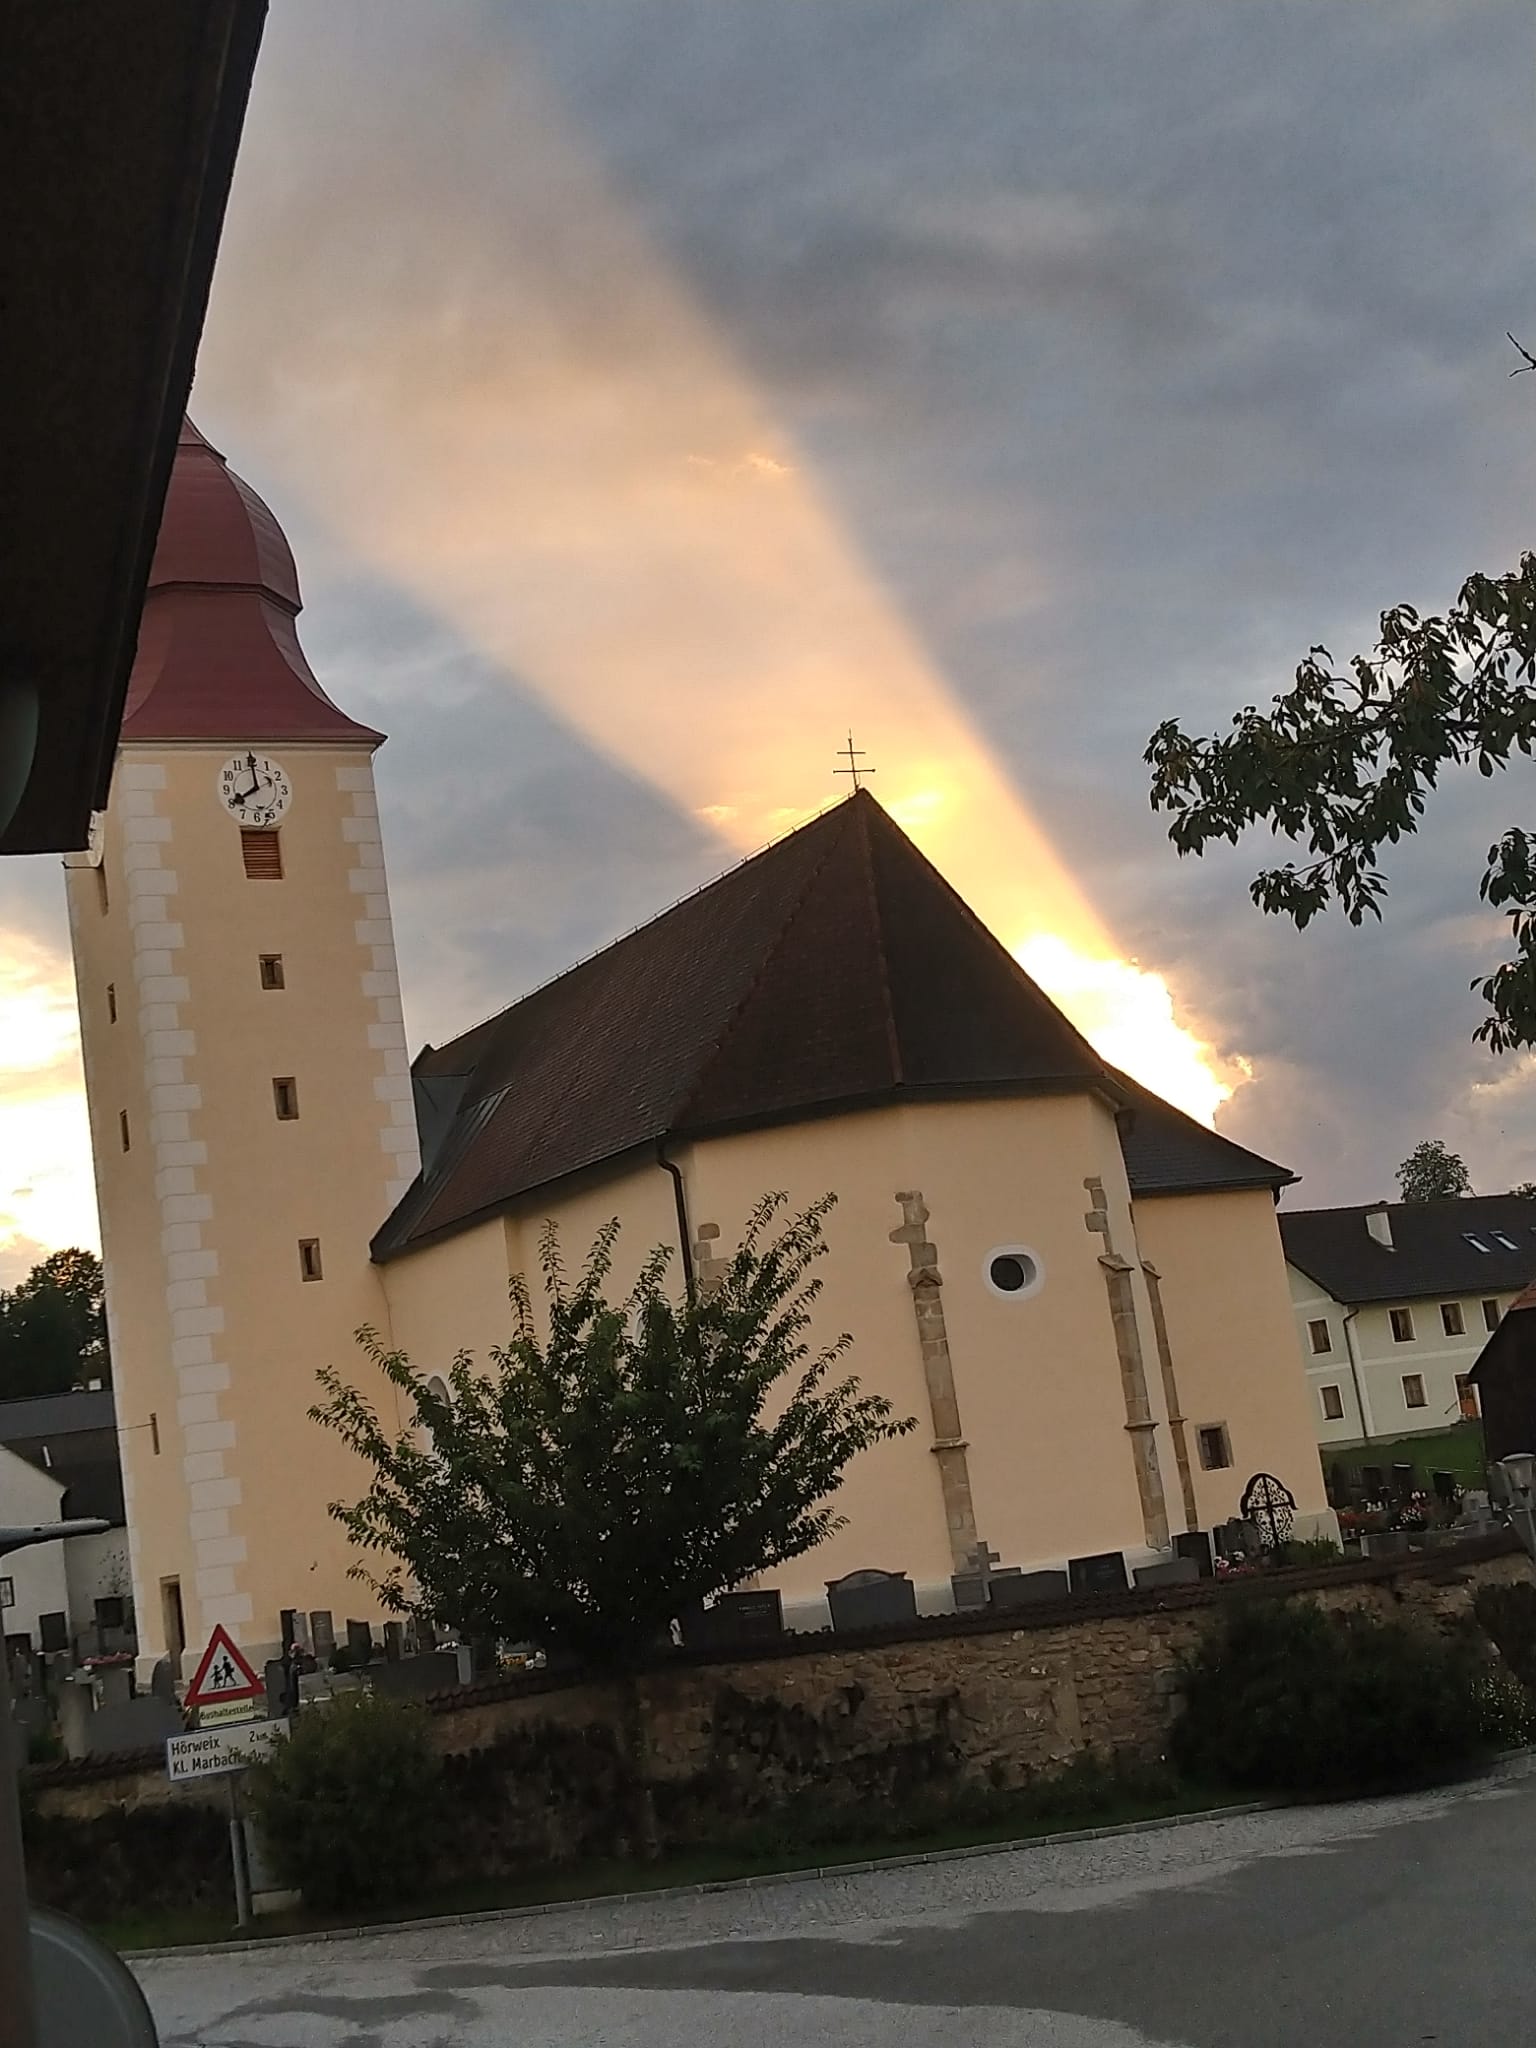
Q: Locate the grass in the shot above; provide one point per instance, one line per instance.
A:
(609, 1877)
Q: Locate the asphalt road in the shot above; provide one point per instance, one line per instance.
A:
(1381, 1925)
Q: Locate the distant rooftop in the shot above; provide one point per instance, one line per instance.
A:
(1471, 1244)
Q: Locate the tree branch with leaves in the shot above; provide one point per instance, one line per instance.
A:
(1345, 760)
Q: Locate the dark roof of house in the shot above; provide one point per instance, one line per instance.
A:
(1471, 1244)
(837, 969)
(57, 1415)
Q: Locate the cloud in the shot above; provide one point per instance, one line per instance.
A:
(1126, 351)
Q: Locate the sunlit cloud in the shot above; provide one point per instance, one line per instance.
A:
(47, 1197)
(566, 463)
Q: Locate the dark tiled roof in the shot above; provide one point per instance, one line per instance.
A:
(1431, 1254)
(836, 969)
(1167, 1152)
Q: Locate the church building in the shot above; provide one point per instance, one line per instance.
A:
(1079, 1292)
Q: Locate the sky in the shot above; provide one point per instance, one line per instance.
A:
(652, 390)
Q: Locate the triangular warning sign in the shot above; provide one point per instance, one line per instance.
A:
(223, 1673)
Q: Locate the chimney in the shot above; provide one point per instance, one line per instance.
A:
(1378, 1221)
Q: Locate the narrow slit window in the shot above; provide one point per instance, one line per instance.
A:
(1320, 1335)
(1402, 1325)
(122, 1129)
(1452, 1321)
(272, 970)
(285, 1098)
(111, 1002)
(262, 853)
(1413, 1390)
(1333, 1404)
(103, 898)
(309, 1258)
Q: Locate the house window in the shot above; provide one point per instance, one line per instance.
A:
(1452, 1320)
(262, 853)
(1491, 1314)
(309, 1258)
(1012, 1271)
(109, 1611)
(103, 900)
(1507, 1242)
(122, 1128)
(1466, 1398)
(1402, 1325)
(272, 970)
(1322, 1339)
(111, 1002)
(1413, 1390)
(1333, 1403)
(285, 1098)
(1215, 1449)
(1475, 1242)
(7, 1592)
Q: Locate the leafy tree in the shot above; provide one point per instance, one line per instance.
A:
(584, 1489)
(1431, 1172)
(1346, 758)
(53, 1327)
(1526, 1189)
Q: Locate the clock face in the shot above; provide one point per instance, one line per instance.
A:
(254, 789)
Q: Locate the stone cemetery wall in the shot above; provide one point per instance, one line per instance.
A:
(797, 1738)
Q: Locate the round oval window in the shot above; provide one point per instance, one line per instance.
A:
(1012, 1270)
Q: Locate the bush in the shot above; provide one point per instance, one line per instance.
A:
(1281, 1697)
(1507, 1614)
(349, 1806)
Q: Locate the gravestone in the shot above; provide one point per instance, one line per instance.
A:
(1196, 1544)
(1385, 1543)
(142, 1723)
(413, 1678)
(1237, 1536)
(1103, 1572)
(755, 1617)
(322, 1633)
(871, 1599)
(394, 1641)
(1025, 1589)
(359, 1644)
(1168, 1571)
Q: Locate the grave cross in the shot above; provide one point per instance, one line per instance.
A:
(980, 1560)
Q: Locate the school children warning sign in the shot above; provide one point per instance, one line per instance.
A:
(223, 1674)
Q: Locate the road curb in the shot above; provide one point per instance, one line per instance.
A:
(808, 1873)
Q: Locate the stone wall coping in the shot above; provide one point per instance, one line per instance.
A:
(1446, 1560)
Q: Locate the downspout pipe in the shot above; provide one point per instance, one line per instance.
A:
(680, 1201)
(1367, 1420)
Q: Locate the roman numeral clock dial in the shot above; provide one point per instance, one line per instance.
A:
(254, 790)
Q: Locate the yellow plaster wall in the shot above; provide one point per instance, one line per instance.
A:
(1232, 1330)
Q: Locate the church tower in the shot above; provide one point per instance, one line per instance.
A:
(245, 1064)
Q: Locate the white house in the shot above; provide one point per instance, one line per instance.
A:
(1393, 1303)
